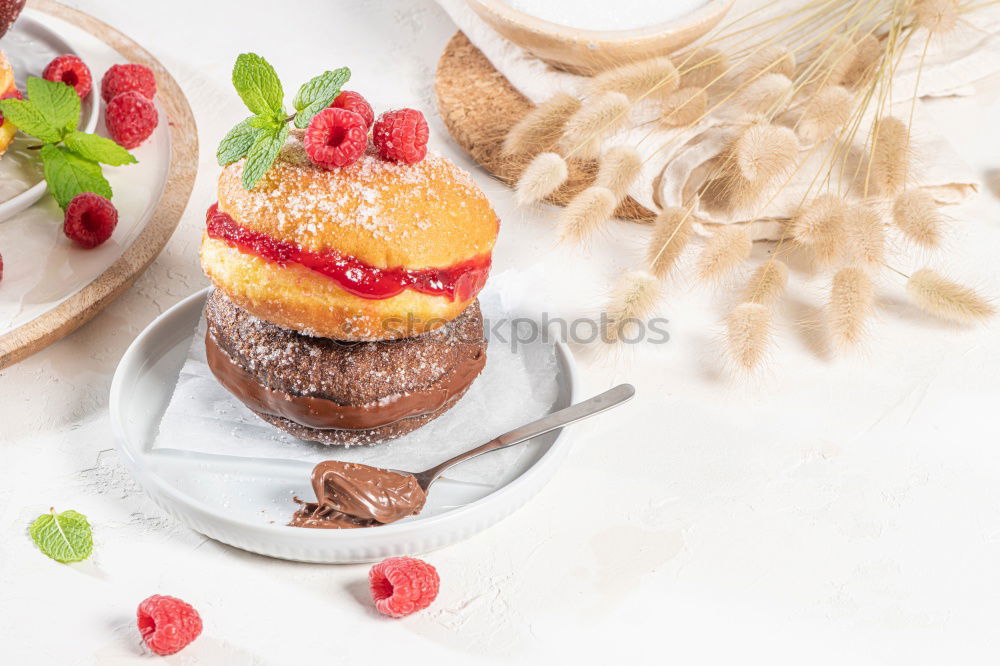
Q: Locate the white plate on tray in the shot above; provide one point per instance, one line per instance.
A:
(30, 46)
(233, 498)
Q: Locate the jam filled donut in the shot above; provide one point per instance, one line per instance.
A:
(319, 389)
(7, 89)
(376, 250)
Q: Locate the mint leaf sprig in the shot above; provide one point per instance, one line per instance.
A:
(260, 137)
(71, 159)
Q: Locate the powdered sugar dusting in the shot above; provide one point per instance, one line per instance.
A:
(372, 198)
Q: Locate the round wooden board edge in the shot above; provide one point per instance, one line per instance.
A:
(42, 331)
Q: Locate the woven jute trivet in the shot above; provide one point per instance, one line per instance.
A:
(479, 106)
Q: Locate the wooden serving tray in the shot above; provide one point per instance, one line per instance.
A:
(183, 165)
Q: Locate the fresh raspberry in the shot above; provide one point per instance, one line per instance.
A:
(401, 136)
(131, 119)
(336, 138)
(167, 624)
(403, 585)
(90, 220)
(13, 93)
(1, 267)
(70, 70)
(353, 101)
(128, 78)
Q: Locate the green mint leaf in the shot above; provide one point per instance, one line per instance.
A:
(236, 144)
(30, 120)
(258, 85)
(69, 175)
(97, 149)
(262, 154)
(65, 537)
(266, 122)
(318, 94)
(57, 102)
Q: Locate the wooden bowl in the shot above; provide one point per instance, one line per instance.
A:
(591, 51)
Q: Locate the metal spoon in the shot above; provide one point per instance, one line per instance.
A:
(356, 495)
(582, 410)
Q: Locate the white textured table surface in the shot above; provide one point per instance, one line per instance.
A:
(847, 511)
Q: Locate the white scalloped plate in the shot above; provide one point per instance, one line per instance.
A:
(228, 497)
(30, 46)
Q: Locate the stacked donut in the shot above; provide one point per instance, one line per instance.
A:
(345, 306)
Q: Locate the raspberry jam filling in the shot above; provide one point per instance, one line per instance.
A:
(459, 281)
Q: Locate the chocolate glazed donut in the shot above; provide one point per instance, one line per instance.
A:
(333, 392)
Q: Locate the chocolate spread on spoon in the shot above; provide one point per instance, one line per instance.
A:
(356, 495)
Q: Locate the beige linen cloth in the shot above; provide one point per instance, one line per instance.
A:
(675, 160)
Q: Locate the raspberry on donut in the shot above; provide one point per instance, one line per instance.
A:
(336, 138)
(352, 101)
(401, 136)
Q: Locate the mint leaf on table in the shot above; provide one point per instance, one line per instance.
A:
(30, 120)
(258, 85)
(69, 175)
(262, 155)
(97, 149)
(58, 102)
(318, 94)
(65, 537)
(236, 144)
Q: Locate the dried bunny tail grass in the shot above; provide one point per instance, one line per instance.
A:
(618, 169)
(767, 283)
(852, 300)
(633, 299)
(585, 213)
(819, 220)
(702, 68)
(835, 59)
(655, 76)
(828, 110)
(671, 232)
(748, 331)
(890, 158)
(773, 59)
(541, 127)
(864, 234)
(867, 54)
(937, 16)
(916, 214)
(726, 249)
(542, 177)
(684, 107)
(939, 296)
(586, 127)
(764, 152)
(767, 93)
